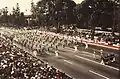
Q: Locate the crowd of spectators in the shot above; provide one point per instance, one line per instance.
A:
(15, 63)
(100, 36)
(108, 38)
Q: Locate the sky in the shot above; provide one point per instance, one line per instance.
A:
(24, 4)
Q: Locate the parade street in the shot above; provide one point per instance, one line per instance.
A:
(80, 67)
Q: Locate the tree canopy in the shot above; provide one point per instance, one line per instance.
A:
(88, 14)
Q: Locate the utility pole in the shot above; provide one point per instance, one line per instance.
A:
(92, 25)
(92, 20)
(113, 26)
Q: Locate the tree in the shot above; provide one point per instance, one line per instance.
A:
(17, 14)
(17, 17)
(22, 19)
(97, 13)
(12, 17)
(4, 16)
(55, 11)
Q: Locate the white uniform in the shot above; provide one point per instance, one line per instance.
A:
(86, 45)
(56, 52)
(75, 47)
(94, 54)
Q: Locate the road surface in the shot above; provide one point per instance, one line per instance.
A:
(80, 67)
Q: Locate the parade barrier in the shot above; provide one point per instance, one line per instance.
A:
(103, 45)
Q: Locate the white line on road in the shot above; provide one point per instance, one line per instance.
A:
(68, 61)
(98, 74)
(97, 62)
